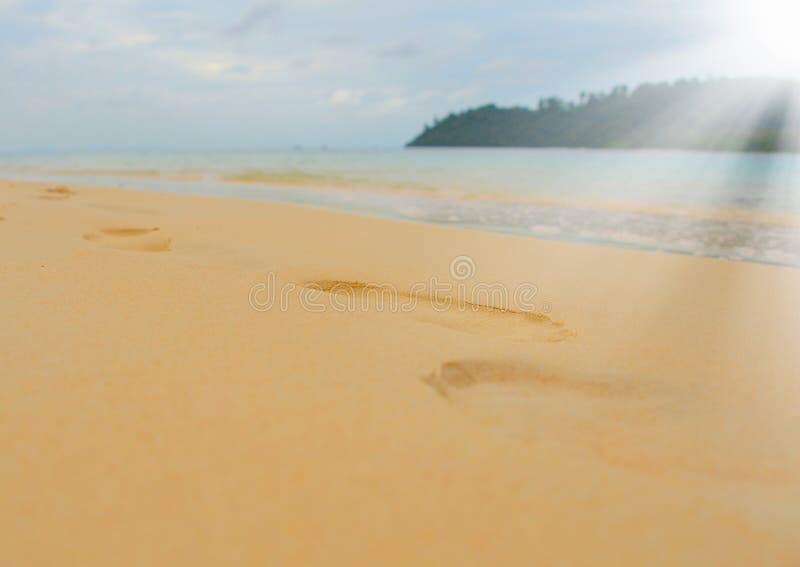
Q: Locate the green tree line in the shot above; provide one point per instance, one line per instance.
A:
(753, 115)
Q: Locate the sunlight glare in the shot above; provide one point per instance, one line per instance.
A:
(769, 27)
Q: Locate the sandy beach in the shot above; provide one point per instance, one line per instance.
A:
(156, 407)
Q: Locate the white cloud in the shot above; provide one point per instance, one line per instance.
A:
(346, 96)
(92, 25)
(134, 39)
(396, 102)
(220, 65)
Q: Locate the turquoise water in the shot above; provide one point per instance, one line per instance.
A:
(625, 198)
(764, 181)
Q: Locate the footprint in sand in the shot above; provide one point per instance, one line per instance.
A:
(458, 375)
(139, 239)
(57, 193)
(616, 419)
(458, 315)
(628, 422)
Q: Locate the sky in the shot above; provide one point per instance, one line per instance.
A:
(242, 74)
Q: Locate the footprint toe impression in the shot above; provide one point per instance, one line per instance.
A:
(57, 193)
(138, 239)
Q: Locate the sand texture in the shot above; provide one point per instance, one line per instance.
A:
(155, 409)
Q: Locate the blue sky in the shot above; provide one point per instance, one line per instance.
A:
(79, 74)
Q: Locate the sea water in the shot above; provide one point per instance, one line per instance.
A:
(731, 205)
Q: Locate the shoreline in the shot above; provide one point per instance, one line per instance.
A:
(316, 180)
(151, 414)
(689, 231)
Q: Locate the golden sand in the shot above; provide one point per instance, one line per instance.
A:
(155, 410)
